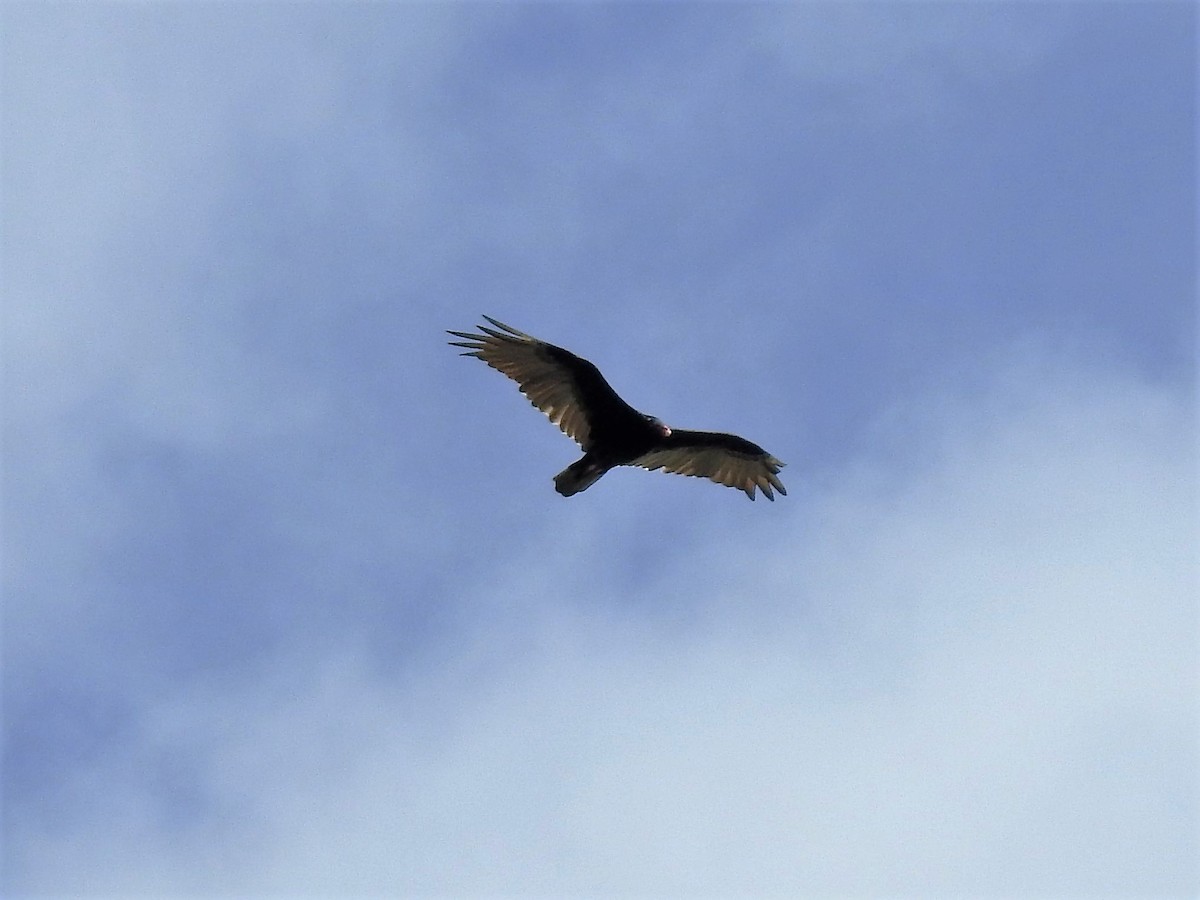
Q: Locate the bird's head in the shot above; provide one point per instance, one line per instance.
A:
(659, 425)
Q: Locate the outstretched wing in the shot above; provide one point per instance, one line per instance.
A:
(567, 388)
(724, 458)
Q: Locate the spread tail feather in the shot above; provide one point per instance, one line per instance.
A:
(579, 476)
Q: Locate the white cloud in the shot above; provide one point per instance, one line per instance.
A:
(125, 176)
(972, 677)
(128, 165)
(962, 667)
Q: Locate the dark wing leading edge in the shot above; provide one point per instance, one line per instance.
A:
(725, 458)
(567, 388)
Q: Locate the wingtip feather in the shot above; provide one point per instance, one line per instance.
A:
(503, 327)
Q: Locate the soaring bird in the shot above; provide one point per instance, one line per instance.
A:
(574, 395)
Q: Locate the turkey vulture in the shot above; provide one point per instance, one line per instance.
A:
(573, 393)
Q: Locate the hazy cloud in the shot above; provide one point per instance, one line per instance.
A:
(974, 679)
(290, 605)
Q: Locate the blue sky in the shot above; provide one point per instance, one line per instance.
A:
(290, 604)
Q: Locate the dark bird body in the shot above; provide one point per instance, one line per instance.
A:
(575, 396)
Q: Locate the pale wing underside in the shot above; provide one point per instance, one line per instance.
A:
(720, 464)
(547, 382)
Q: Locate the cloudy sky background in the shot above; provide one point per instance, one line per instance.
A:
(290, 604)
